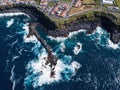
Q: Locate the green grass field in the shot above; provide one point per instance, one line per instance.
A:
(65, 0)
(37, 1)
(118, 3)
(51, 3)
(88, 1)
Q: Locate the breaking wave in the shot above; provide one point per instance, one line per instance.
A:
(12, 14)
(40, 74)
(103, 38)
(9, 23)
(77, 48)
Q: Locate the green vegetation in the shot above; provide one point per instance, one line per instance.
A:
(86, 16)
(51, 3)
(37, 1)
(65, 0)
(60, 23)
(97, 1)
(88, 1)
(118, 3)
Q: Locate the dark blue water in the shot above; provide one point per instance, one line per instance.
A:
(21, 59)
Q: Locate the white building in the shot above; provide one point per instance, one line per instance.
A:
(107, 1)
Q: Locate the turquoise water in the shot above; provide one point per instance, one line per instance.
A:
(93, 66)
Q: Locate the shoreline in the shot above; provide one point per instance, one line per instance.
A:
(50, 28)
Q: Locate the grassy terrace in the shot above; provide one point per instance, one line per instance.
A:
(51, 3)
(65, 0)
(37, 1)
(118, 3)
(85, 16)
(88, 1)
(60, 22)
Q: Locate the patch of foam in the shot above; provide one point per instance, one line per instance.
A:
(30, 39)
(12, 77)
(77, 48)
(103, 38)
(112, 45)
(42, 73)
(62, 47)
(9, 23)
(71, 34)
(13, 43)
(12, 14)
(15, 57)
(98, 33)
(58, 39)
(26, 28)
(20, 52)
(76, 65)
(99, 30)
(62, 39)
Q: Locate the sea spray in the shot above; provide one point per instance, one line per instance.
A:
(42, 71)
(103, 38)
(9, 23)
(77, 48)
(12, 14)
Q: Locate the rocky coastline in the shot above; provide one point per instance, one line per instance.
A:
(90, 26)
(50, 28)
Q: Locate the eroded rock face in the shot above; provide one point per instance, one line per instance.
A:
(115, 37)
(111, 28)
(90, 26)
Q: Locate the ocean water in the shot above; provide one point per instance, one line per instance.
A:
(85, 62)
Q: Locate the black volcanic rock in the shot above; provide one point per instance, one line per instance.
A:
(90, 26)
(111, 28)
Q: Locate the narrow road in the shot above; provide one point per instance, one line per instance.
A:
(71, 4)
(90, 10)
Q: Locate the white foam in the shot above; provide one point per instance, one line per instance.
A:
(20, 52)
(12, 77)
(62, 39)
(15, 57)
(26, 28)
(12, 73)
(99, 30)
(77, 48)
(10, 22)
(104, 38)
(112, 45)
(76, 65)
(13, 86)
(30, 39)
(44, 70)
(58, 39)
(12, 14)
(14, 42)
(62, 47)
(76, 32)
